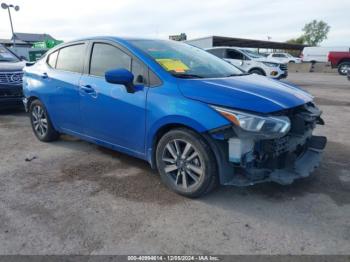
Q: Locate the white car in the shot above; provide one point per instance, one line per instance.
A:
(285, 58)
(251, 62)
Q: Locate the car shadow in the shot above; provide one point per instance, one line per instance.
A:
(330, 179)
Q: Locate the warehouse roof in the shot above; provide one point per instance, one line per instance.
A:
(27, 37)
(251, 43)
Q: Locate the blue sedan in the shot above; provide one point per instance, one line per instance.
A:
(196, 118)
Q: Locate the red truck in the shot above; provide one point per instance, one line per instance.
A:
(340, 60)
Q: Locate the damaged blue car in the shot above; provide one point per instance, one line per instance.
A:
(196, 118)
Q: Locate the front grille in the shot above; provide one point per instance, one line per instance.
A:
(10, 93)
(284, 67)
(11, 78)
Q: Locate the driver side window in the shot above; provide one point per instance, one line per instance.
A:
(233, 54)
(105, 57)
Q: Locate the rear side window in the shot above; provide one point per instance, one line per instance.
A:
(217, 52)
(278, 55)
(51, 60)
(105, 57)
(71, 58)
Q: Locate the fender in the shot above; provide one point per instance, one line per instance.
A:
(172, 120)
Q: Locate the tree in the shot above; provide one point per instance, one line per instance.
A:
(315, 32)
(300, 40)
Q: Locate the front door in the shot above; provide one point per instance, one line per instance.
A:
(236, 58)
(109, 113)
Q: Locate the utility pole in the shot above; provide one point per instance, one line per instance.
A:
(16, 8)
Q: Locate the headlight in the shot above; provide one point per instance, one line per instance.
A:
(270, 126)
(269, 64)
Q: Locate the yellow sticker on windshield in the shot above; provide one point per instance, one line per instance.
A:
(173, 65)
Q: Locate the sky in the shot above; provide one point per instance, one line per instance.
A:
(255, 19)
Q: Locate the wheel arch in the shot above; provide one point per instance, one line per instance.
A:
(343, 61)
(30, 101)
(159, 130)
(258, 68)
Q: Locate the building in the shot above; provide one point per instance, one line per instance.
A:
(9, 43)
(30, 39)
(180, 37)
(26, 39)
(213, 41)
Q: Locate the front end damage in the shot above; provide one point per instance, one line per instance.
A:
(247, 158)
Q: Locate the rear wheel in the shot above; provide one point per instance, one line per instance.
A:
(343, 68)
(186, 163)
(41, 124)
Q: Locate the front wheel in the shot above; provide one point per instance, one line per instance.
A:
(257, 71)
(41, 124)
(343, 68)
(186, 163)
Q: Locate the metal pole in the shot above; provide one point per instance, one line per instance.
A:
(13, 34)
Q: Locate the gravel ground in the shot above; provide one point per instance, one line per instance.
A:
(72, 197)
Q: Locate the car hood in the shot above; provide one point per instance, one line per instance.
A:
(12, 66)
(247, 92)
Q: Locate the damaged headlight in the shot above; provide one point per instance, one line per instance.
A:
(269, 126)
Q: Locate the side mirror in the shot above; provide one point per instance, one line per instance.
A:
(122, 77)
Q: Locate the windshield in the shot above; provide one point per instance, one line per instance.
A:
(252, 54)
(7, 56)
(186, 61)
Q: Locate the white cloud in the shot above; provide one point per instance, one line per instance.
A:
(281, 20)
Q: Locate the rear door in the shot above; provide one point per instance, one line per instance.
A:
(109, 112)
(65, 67)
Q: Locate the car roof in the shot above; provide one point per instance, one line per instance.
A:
(115, 38)
(225, 47)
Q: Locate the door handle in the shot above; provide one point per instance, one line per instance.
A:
(87, 89)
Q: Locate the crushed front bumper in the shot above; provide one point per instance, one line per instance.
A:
(297, 167)
(303, 165)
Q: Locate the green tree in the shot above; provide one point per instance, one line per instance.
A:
(300, 40)
(315, 32)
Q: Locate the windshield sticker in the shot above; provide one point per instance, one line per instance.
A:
(173, 65)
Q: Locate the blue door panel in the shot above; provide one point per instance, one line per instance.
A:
(111, 114)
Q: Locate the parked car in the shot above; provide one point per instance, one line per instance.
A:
(10, 79)
(196, 118)
(315, 54)
(251, 62)
(340, 60)
(284, 58)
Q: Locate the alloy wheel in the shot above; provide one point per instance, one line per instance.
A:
(344, 69)
(182, 163)
(39, 120)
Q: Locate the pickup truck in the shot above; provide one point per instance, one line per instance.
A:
(340, 60)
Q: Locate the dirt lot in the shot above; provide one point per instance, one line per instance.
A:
(72, 197)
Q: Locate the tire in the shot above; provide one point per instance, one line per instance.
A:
(257, 71)
(186, 163)
(343, 68)
(41, 123)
